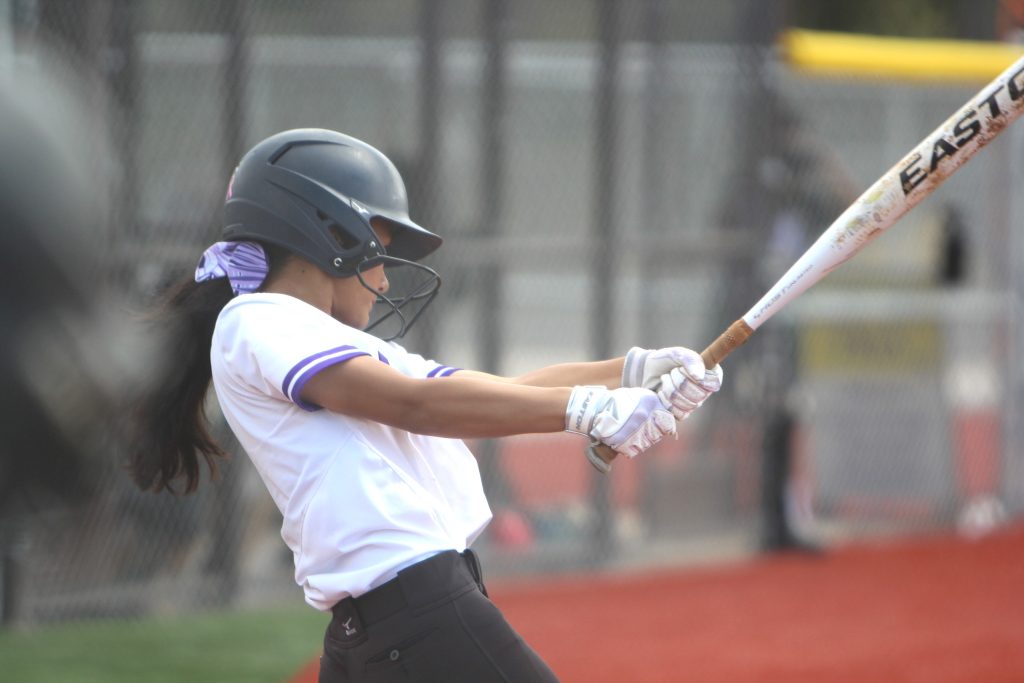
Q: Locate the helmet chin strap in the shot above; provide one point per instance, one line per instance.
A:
(424, 293)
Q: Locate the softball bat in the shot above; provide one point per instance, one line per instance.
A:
(901, 188)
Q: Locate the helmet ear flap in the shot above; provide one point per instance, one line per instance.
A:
(338, 223)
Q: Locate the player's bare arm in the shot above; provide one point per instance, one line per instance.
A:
(607, 373)
(677, 374)
(453, 407)
(628, 420)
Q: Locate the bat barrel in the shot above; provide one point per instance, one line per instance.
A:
(901, 188)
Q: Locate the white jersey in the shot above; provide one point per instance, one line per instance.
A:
(360, 500)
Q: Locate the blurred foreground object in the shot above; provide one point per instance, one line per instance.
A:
(57, 369)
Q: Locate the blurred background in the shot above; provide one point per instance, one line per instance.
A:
(605, 174)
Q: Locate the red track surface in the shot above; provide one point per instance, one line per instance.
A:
(934, 610)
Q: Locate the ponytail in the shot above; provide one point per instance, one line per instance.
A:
(170, 429)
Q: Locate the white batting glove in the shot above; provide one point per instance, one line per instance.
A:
(676, 374)
(629, 420)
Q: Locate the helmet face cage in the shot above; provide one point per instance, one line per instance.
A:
(416, 286)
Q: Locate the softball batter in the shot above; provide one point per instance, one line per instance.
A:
(357, 439)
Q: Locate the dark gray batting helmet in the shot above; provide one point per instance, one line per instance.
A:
(314, 193)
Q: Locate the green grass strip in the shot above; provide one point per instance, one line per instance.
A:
(244, 647)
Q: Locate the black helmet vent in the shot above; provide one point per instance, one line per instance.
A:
(341, 237)
(344, 240)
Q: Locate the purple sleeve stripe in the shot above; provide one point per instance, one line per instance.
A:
(383, 358)
(311, 371)
(442, 371)
(306, 361)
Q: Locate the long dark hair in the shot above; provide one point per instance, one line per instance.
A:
(169, 424)
(169, 428)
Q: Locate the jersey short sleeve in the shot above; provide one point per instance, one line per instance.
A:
(415, 365)
(277, 344)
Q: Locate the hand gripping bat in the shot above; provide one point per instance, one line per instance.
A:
(900, 189)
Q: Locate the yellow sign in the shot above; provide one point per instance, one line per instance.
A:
(847, 54)
(864, 348)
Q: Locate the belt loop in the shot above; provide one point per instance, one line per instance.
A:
(473, 562)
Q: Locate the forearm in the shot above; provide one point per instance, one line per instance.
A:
(462, 406)
(606, 373)
(472, 405)
(469, 407)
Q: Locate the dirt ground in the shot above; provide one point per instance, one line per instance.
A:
(924, 610)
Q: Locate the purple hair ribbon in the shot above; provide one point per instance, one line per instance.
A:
(244, 264)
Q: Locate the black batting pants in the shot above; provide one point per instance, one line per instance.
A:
(433, 623)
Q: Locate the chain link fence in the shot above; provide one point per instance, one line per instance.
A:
(605, 174)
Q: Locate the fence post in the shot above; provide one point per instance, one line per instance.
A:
(430, 129)
(490, 276)
(604, 266)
